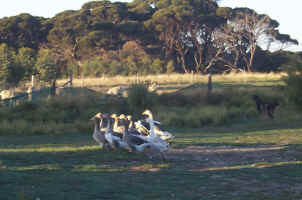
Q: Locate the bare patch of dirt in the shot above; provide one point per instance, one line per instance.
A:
(215, 158)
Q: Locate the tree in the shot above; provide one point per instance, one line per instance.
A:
(23, 30)
(46, 66)
(10, 73)
(26, 59)
(245, 32)
(285, 41)
(186, 28)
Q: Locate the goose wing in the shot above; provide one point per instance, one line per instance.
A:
(117, 135)
(137, 140)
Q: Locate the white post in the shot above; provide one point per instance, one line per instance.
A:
(29, 93)
(32, 81)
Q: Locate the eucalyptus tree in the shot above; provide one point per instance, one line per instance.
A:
(68, 27)
(245, 31)
(284, 40)
(186, 27)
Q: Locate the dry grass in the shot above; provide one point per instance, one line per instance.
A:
(165, 79)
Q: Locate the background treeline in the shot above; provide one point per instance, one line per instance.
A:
(141, 37)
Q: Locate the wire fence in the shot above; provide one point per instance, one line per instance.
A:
(32, 95)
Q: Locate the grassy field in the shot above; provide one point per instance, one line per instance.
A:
(249, 158)
(209, 163)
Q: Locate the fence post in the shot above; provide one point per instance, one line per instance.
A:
(29, 93)
(70, 79)
(210, 87)
(53, 89)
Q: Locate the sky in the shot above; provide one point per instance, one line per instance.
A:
(287, 13)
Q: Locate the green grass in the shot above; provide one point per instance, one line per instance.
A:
(261, 161)
(47, 152)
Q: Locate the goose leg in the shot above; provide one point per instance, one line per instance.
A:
(163, 156)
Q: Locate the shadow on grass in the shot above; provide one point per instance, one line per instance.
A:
(212, 171)
(259, 181)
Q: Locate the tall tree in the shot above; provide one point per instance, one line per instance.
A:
(47, 65)
(26, 59)
(246, 31)
(10, 73)
(186, 26)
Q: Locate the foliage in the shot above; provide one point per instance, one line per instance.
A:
(46, 65)
(26, 60)
(10, 72)
(187, 108)
(139, 98)
(294, 83)
(142, 37)
(23, 30)
(94, 67)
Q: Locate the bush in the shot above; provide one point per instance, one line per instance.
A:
(294, 84)
(95, 67)
(139, 98)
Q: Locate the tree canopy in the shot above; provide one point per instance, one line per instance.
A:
(143, 36)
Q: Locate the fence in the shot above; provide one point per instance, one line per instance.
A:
(34, 95)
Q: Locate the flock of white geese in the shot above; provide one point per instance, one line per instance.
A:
(121, 132)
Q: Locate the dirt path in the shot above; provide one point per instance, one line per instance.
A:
(220, 157)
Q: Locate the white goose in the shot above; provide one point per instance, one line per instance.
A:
(144, 129)
(114, 141)
(135, 142)
(98, 135)
(116, 127)
(161, 144)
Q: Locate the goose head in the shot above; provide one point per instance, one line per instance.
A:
(114, 116)
(97, 116)
(123, 119)
(148, 113)
(122, 116)
(129, 117)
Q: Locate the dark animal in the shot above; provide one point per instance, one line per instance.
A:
(265, 107)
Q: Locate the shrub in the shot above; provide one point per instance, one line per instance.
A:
(294, 84)
(95, 67)
(139, 98)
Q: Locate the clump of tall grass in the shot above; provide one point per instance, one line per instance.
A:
(139, 98)
(200, 116)
(24, 127)
(293, 84)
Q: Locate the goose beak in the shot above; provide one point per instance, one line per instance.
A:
(98, 115)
